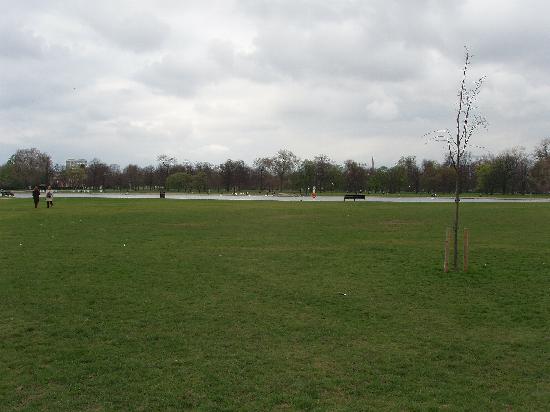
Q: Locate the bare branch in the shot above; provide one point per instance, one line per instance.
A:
(467, 122)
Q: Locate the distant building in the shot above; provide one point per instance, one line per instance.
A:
(72, 163)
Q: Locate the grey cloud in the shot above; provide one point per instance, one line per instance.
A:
(126, 24)
(19, 42)
(80, 78)
(186, 75)
(181, 76)
(334, 52)
(138, 32)
(301, 12)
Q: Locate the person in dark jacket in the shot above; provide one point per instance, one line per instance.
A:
(36, 196)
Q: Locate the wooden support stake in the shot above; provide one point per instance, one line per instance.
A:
(447, 243)
(466, 248)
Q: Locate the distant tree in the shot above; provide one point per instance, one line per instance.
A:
(508, 172)
(540, 176)
(227, 175)
(355, 176)
(323, 165)
(305, 176)
(468, 176)
(505, 168)
(132, 177)
(412, 173)
(523, 167)
(241, 175)
(29, 167)
(283, 164)
(262, 165)
(429, 176)
(179, 181)
(200, 182)
(114, 177)
(209, 172)
(75, 177)
(487, 180)
(540, 172)
(6, 176)
(149, 180)
(335, 177)
(379, 179)
(396, 179)
(542, 151)
(97, 174)
(467, 122)
(165, 163)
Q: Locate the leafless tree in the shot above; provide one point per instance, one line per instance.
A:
(96, 174)
(542, 151)
(540, 173)
(166, 162)
(284, 163)
(31, 167)
(458, 140)
(262, 166)
(131, 174)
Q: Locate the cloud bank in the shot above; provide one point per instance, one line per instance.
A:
(210, 80)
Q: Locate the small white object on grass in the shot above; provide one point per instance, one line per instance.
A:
(20, 244)
(124, 244)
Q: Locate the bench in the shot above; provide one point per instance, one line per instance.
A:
(354, 197)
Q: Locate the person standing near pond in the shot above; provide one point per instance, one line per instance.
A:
(49, 197)
(36, 196)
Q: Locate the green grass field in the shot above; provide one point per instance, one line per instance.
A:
(215, 305)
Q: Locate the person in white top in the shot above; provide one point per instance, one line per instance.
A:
(49, 197)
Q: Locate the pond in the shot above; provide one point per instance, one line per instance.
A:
(244, 197)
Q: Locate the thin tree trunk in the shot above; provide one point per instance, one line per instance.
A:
(455, 245)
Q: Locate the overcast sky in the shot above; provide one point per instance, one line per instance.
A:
(127, 80)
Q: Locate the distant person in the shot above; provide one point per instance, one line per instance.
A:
(36, 196)
(49, 197)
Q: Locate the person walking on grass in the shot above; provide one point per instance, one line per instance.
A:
(36, 196)
(49, 197)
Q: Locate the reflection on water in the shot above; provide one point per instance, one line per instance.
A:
(181, 196)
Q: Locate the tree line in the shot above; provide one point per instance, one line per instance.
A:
(511, 171)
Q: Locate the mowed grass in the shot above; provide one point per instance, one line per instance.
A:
(216, 305)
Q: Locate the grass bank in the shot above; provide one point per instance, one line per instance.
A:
(210, 305)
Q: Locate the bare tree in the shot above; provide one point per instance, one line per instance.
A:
(284, 163)
(457, 142)
(261, 167)
(131, 174)
(542, 151)
(166, 162)
(540, 173)
(96, 173)
(30, 167)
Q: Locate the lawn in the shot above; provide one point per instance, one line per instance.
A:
(110, 305)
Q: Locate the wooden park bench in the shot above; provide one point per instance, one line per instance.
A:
(354, 197)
